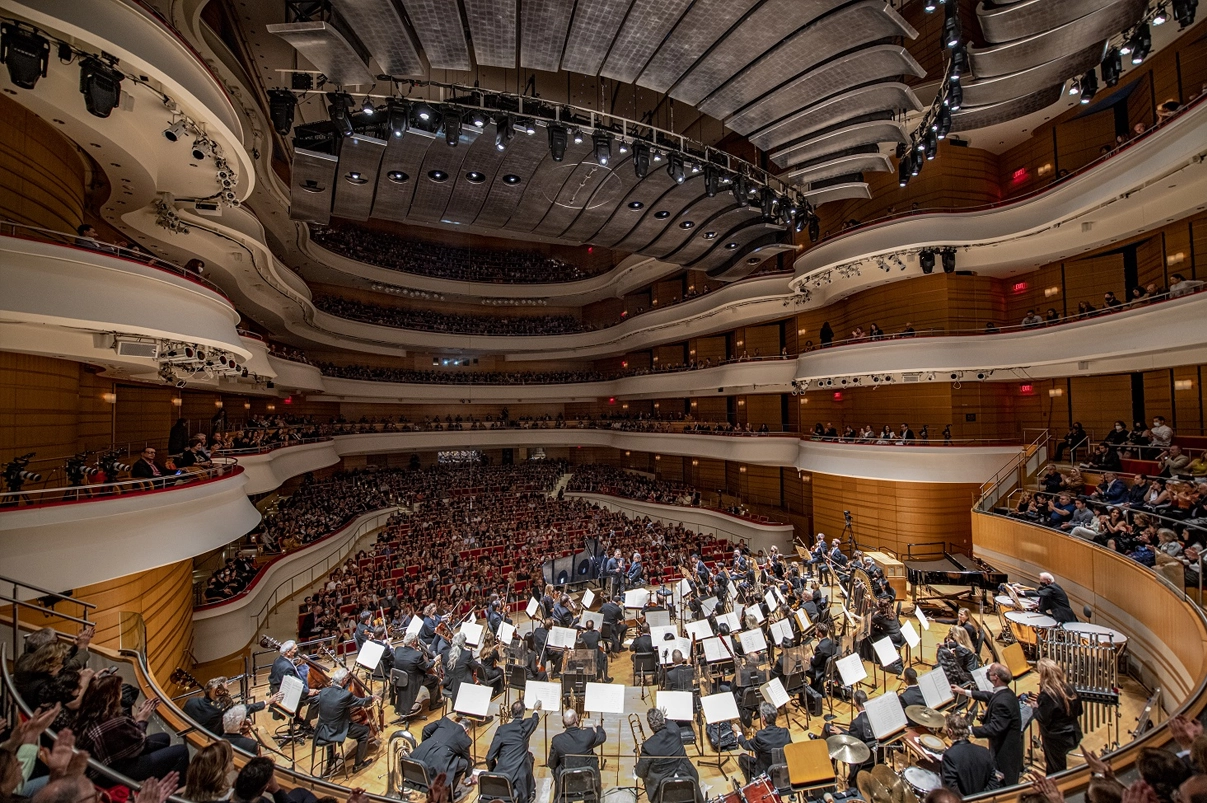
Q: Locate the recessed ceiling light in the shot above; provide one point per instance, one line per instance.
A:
(474, 177)
(710, 235)
(437, 176)
(397, 176)
(511, 178)
(635, 204)
(687, 224)
(662, 214)
(356, 178)
(752, 261)
(731, 246)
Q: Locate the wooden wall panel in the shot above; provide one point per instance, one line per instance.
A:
(1080, 140)
(929, 403)
(1097, 401)
(1188, 403)
(42, 173)
(1030, 291)
(1091, 278)
(38, 398)
(708, 348)
(759, 341)
(763, 409)
(1150, 262)
(761, 485)
(1158, 395)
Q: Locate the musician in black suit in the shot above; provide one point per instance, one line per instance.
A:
(460, 666)
(562, 613)
(335, 705)
(885, 624)
(635, 576)
(967, 768)
(643, 642)
(824, 651)
(861, 729)
(590, 639)
(232, 730)
(1053, 600)
(1002, 723)
(768, 738)
(663, 757)
(417, 667)
(445, 749)
(574, 747)
(284, 666)
(508, 754)
(364, 629)
(679, 675)
(910, 694)
(205, 711)
(613, 615)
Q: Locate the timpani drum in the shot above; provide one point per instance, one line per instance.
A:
(1025, 626)
(921, 781)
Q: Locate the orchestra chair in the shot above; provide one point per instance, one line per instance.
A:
(578, 785)
(414, 775)
(333, 758)
(675, 790)
(493, 786)
(809, 765)
(778, 773)
(645, 667)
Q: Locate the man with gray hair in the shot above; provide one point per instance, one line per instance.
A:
(1053, 600)
(284, 666)
(768, 739)
(206, 711)
(1003, 724)
(663, 757)
(335, 706)
(575, 746)
(232, 730)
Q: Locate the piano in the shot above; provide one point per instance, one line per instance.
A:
(954, 576)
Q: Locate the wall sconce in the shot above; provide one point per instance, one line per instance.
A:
(177, 401)
(693, 402)
(218, 403)
(272, 407)
(657, 457)
(1175, 259)
(246, 405)
(692, 352)
(1183, 384)
(741, 342)
(657, 405)
(801, 332)
(655, 358)
(695, 462)
(626, 454)
(742, 469)
(109, 398)
(1054, 392)
(804, 400)
(1051, 291)
(1044, 169)
(624, 406)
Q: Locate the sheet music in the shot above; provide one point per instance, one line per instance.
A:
(473, 618)
(981, 676)
(563, 637)
(588, 598)
(771, 600)
(532, 608)
(606, 698)
(677, 705)
(936, 688)
(715, 650)
(506, 632)
(550, 695)
(414, 626)
(719, 708)
(773, 692)
(802, 619)
(473, 633)
(658, 618)
(684, 587)
(291, 688)
(370, 654)
(636, 597)
(709, 604)
(699, 629)
(922, 620)
(886, 652)
(885, 715)
(781, 630)
(473, 699)
(592, 616)
(850, 669)
(731, 620)
(666, 650)
(910, 635)
(658, 633)
(752, 641)
(755, 611)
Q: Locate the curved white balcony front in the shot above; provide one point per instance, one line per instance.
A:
(65, 301)
(68, 544)
(267, 470)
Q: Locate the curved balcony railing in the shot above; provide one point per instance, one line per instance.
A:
(87, 492)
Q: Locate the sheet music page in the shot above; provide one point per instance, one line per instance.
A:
(506, 632)
(591, 616)
(886, 652)
(473, 699)
(771, 600)
(714, 650)
(730, 619)
(719, 708)
(414, 626)
(781, 630)
(666, 650)
(473, 618)
(684, 587)
(473, 633)
(563, 637)
(291, 687)
(922, 620)
(658, 633)
(605, 698)
(850, 669)
(981, 676)
(779, 595)
(885, 715)
(773, 692)
(636, 597)
(532, 608)
(910, 635)
(370, 654)
(658, 618)
(677, 705)
(709, 604)
(752, 641)
(550, 695)
(588, 598)
(802, 619)
(756, 612)
(936, 688)
(699, 629)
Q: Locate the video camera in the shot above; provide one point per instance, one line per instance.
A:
(15, 474)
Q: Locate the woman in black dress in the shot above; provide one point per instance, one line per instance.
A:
(1058, 711)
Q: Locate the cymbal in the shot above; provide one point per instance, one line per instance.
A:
(926, 717)
(902, 793)
(885, 774)
(871, 789)
(847, 749)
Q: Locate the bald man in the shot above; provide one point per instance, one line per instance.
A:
(575, 746)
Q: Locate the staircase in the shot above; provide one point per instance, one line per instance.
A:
(561, 483)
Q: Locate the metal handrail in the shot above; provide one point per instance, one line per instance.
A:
(1035, 452)
(83, 493)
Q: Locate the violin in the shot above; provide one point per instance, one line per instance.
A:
(222, 699)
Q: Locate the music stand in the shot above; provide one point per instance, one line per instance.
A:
(809, 765)
(473, 701)
(607, 698)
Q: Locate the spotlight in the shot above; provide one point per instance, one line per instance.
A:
(949, 260)
(712, 181)
(175, 131)
(477, 120)
(526, 126)
(367, 107)
(903, 171)
(930, 6)
(1142, 44)
(200, 148)
(578, 137)
(281, 105)
(1089, 86)
(657, 156)
(396, 117)
(1160, 17)
(452, 128)
(917, 159)
(101, 86)
(1112, 67)
(338, 104)
(959, 61)
(769, 203)
(932, 145)
(601, 142)
(1184, 12)
(814, 229)
(1075, 87)
(674, 167)
(504, 131)
(951, 25)
(955, 97)
(641, 159)
(557, 141)
(739, 188)
(424, 112)
(26, 53)
(926, 259)
(943, 122)
(623, 146)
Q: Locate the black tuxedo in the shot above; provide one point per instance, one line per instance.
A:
(575, 747)
(445, 749)
(244, 743)
(1003, 729)
(206, 713)
(764, 742)
(824, 650)
(968, 768)
(508, 755)
(680, 677)
(662, 758)
(911, 695)
(642, 643)
(335, 705)
(1055, 603)
(415, 664)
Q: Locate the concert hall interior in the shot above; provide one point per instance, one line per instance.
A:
(603, 401)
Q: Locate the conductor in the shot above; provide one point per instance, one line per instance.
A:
(663, 758)
(509, 755)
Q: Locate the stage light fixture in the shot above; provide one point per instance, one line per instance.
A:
(396, 117)
(1075, 87)
(367, 107)
(955, 97)
(526, 126)
(959, 62)
(712, 181)
(26, 54)
(740, 189)
(101, 86)
(930, 6)
(452, 127)
(768, 203)
(1089, 86)
(932, 145)
(623, 146)
(338, 104)
(1112, 67)
(674, 167)
(814, 228)
(903, 171)
(1142, 44)
(504, 132)
(926, 258)
(942, 122)
(578, 137)
(175, 131)
(558, 137)
(424, 112)
(1160, 17)
(657, 156)
(916, 160)
(949, 260)
(951, 25)
(641, 159)
(200, 149)
(601, 144)
(1184, 12)
(281, 105)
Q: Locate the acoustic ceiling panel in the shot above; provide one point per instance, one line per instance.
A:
(359, 158)
(706, 235)
(522, 157)
(327, 49)
(312, 186)
(733, 247)
(846, 191)
(841, 138)
(894, 97)
(543, 27)
(1001, 88)
(438, 25)
(698, 214)
(481, 157)
(1004, 22)
(840, 166)
(605, 201)
(398, 174)
(646, 194)
(380, 28)
(667, 212)
(751, 261)
(546, 184)
(440, 173)
(591, 34)
(492, 27)
(969, 118)
(703, 24)
(578, 190)
(646, 26)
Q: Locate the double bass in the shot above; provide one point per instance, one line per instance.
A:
(318, 678)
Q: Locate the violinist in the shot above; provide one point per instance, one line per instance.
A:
(418, 667)
(335, 704)
(236, 729)
(427, 633)
(494, 614)
(492, 673)
(206, 709)
(460, 666)
(290, 663)
(532, 669)
(364, 629)
(563, 613)
(635, 576)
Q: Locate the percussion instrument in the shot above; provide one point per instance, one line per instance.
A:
(760, 790)
(1005, 603)
(932, 743)
(848, 749)
(872, 790)
(1099, 633)
(1024, 626)
(899, 791)
(920, 780)
(926, 717)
